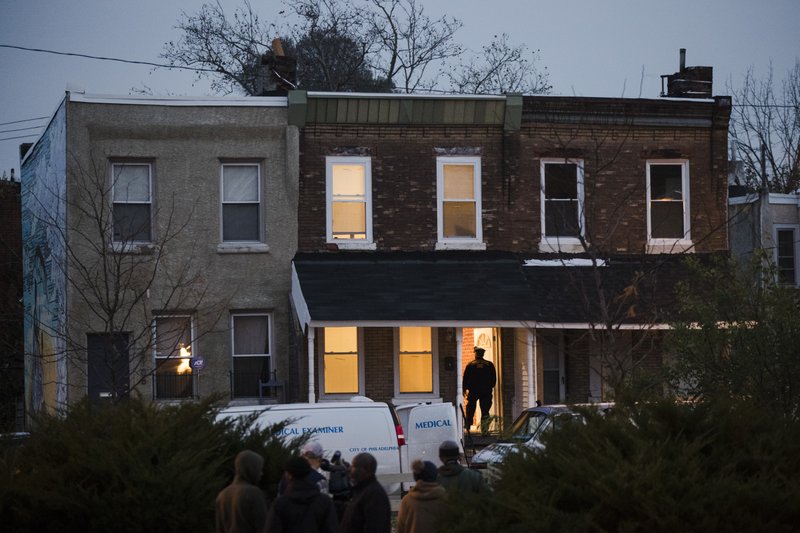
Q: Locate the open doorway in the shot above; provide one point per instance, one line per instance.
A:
(488, 339)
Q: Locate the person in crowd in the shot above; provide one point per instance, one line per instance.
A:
(479, 380)
(302, 508)
(241, 507)
(454, 477)
(421, 509)
(369, 510)
(312, 452)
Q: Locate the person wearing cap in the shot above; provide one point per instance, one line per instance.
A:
(479, 380)
(454, 477)
(241, 507)
(421, 509)
(312, 452)
(302, 508)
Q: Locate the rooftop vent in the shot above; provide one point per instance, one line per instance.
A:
(688, 82)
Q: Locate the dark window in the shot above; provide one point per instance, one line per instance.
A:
(131, 202)
(561, 200)
(666, 201)
(240, 203)
(787, 258)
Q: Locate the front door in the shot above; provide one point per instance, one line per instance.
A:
(486, 338)
(553, 386)
(109, 370)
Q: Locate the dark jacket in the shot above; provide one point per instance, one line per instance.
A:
(241, 507)
(302, 508)
(369, 510)
(480, 377)
(455, 478)
(421, 509)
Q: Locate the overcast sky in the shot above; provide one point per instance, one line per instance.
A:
(590, 47)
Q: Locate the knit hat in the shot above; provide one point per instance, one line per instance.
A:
(424, 470)
(448, 448)
(298, 467)
(312, 449)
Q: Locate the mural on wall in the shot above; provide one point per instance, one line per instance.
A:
(43, 255)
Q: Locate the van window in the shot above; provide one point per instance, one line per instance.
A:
(340, 360)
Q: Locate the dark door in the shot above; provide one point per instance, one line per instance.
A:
(109, 368)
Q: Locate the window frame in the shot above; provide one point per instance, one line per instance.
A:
(408, 396)
(667, 245)
(468, 243)
(270, 345)
(354, 244)
(157, 357)
(113, 182)
(259, 202)
(321, 365)
(795, 229)
(555, 243)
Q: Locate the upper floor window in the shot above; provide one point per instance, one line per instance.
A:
(668, 202)
(348, 184)
(251, 353)
(241, 202)
(458, 185)
(341, 373)
(786, 238)
(131, 186)
(173, 353)
(562, 202)
(415, 361)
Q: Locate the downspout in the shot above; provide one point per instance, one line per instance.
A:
(459, 381)
(532, 366)
(311, 393)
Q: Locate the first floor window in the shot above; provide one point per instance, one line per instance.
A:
(131, 186)
(173, 347)
(786, 254)
(667, 196)
(241, 202)
(349, 199)
(415, 360)
(459, 199)
(340, 360)
(251, 353)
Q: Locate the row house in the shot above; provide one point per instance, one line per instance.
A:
(547, 230)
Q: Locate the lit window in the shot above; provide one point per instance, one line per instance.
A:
(340, 361)
(251, 353)
(131, 192)
(173, 343)
(562, 199)
(349, 201)
(786, 254)
(241, 205)
(415, 360)
(668, 197)
(459, 199)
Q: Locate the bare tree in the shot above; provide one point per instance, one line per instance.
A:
(501, 68)
(765, 130)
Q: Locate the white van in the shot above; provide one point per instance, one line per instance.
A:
(362, 425)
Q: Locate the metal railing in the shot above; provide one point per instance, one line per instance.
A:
(173, 386)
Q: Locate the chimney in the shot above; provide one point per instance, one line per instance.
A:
(688, 82)
(277, 73)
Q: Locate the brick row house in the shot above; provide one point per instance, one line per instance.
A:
(547, 230)
(322, 246)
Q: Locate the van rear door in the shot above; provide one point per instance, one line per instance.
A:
(426, 427)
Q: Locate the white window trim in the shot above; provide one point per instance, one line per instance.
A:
(684, 244)
(321, 367)
(796, 236)
(156, 357)
(400, 397)
(239, 245)
(345, 244)
(459, 243)
(557, 243)
(124, 246)
(269, 332)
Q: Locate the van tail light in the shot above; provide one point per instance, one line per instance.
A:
(401, 437)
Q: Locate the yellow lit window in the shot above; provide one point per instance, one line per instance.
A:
(415, 360)
(458, 202)
(348, 201)
(341, 360)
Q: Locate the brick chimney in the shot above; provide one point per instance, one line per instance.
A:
(688, 82)
(277, 74)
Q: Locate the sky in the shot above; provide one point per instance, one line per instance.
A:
(606, 48)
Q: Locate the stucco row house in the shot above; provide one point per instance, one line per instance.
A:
(322, 246)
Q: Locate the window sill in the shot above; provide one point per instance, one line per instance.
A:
(467, 245)
(350, 245)
(568, 245)
(416, 398)
(143, 248)
(677, 246)
(242, 248)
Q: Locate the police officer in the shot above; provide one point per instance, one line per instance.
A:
(479, 380)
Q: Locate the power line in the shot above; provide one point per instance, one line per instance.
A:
(22, 129)
(20, 137)
(102, 58)
(23, 120)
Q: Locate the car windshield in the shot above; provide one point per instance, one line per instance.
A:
(526, 425)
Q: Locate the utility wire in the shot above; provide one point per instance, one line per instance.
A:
(87, 56)
(23, 120)
(20, 137)
(22, 129)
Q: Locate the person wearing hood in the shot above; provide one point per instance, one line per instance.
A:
(422, 507)
(302, 508)
(241, 507)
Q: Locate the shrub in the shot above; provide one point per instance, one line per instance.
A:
(130, 466)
